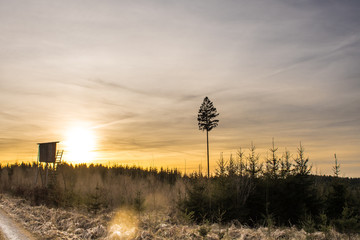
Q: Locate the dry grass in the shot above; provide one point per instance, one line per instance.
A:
(2, 237)
(52, 223)
(74, 185)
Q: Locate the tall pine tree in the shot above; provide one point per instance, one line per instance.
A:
(206, 122)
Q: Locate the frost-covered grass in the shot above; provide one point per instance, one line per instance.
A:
(53, 223)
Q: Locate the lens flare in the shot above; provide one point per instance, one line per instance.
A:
(124, 225)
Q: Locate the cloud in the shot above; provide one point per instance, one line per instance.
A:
(137, 72)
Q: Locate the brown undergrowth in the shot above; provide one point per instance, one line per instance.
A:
(54, 223)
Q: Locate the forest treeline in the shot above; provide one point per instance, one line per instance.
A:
(277, 192)
(280, 191)
(90, 187)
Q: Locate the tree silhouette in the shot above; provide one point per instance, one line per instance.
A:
(301, 163)
(285, 164)
(253, 166)
(206, 122)
(272, 163)
(241, 166)
(336, 167)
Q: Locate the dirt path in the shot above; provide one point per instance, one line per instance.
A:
(10, 230)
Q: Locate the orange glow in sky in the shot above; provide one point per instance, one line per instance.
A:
(121, 82)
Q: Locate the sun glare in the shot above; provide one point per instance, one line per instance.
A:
(124, 225)
(80, 145)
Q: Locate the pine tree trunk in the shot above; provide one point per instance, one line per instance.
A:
(207, 144)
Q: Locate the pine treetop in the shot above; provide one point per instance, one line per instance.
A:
(206, 116)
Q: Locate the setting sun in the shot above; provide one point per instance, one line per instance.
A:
(80, 145)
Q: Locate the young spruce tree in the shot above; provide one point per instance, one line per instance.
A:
(336, 167)
(272, 163)
(301, 166)
(254, 168)
(285, 164)
(241, 166)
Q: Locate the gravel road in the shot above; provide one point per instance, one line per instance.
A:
(11, 230)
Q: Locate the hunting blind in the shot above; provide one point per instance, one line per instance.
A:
(48, 154)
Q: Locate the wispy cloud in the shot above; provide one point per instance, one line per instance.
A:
(326, 53)
(136, 72)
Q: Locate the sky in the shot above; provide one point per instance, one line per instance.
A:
(127, 79)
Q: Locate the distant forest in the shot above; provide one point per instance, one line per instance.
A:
(277, 192)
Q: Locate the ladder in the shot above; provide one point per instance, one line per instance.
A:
(53, 172)
(58, 157)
